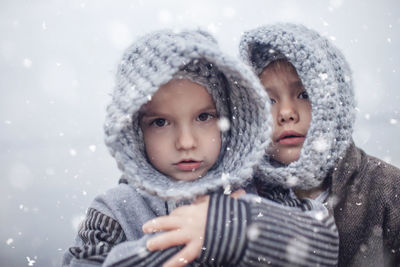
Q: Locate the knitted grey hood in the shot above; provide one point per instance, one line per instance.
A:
(152, 61)
(326, 77)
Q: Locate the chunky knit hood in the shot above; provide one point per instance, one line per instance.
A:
(154, 60)
(326, 77)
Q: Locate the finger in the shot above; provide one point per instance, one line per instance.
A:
(184, 256)
(163, 223)
(238, 193)
(167, 240)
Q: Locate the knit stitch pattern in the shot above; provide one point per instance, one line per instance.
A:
(326, 77)
(152, 61)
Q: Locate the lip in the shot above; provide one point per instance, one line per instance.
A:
(188, 164)
(291, 138)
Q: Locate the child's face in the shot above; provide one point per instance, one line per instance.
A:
(180, 129)
(291, 111)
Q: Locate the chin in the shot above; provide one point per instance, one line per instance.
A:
(287, 157)
(187, 177)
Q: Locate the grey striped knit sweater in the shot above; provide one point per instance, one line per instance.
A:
(249, 231)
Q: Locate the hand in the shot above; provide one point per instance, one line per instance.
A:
(185, 226)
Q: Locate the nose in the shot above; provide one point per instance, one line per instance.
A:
(287, 113)
(185, 139)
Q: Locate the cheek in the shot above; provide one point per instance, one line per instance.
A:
(307, 114)
(217, 143)
(212, 140)
(155, 144)
(274, 113)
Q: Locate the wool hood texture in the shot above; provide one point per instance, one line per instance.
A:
(152, 61)
(326, 77)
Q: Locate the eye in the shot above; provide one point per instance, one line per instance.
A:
(272, 101)
(159, 122)
(303, 95)
(205, 116)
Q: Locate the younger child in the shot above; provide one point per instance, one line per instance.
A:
(310, 86)
(168, 129)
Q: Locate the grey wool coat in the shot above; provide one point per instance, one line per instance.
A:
(365, 198)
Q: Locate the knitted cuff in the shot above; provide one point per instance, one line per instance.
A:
(225, 236)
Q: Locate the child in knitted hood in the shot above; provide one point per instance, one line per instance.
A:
(312, 152)
(187, 121)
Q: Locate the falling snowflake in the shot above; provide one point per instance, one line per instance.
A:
(224, 176)
(292, 180)
(30, 262)
(321, 144)
(9, 241)
(253, 232)
(256, 199)
(72, 152)
(227, 189)
(387, 159)
(183, 260)
(323, 76)
(27, 63)
(393, 121)
(319, 215)
(296, 251)
(224, 124)
(92, 148)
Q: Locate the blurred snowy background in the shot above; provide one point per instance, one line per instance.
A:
(57, 64)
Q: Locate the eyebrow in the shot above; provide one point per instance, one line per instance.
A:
(150, 114)
(297, 84)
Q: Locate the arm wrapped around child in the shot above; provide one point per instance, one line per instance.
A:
(219, 230)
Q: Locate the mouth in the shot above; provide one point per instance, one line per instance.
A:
(291, 138)
(188, 164)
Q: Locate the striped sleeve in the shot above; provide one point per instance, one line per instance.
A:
(98, 233)
(255, 232)
(134, 253)
(103, 243)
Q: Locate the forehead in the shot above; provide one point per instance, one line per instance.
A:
(278, 74)
(180, 93)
